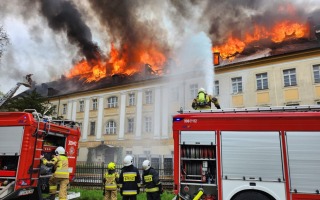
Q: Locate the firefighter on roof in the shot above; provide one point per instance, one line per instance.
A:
(110, 180)
(203, 101)
(129, 180)
(151, 181)
(60, 175)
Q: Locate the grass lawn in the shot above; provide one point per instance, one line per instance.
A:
(97, 195)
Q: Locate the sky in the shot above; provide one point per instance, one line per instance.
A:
(48, 37)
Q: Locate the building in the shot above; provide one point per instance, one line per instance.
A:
(123, 115)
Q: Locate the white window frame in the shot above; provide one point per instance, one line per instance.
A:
(92, 128)
(316, 73)
(94, 104)
(193, 90)
(130, 125)
(148, 95)
(148, 124)
(111, 128)
(112, 102)
(132, 99)
(237, 85)
(262, 81)
(289, 77)
(216, 88)
(81, 106)
(64, 109)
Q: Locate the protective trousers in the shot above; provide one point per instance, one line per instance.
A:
(53, 185)
(110, 195)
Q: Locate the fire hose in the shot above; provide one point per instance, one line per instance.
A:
(200, 193)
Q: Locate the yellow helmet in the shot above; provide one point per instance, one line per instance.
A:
(111, 166)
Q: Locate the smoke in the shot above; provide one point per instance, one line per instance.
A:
(56, 33)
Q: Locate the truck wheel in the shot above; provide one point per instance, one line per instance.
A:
(251, 196)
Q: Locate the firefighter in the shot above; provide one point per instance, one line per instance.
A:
(151, 181)
(110, 180)
(203, 101)
(129, 180)
(60, 175)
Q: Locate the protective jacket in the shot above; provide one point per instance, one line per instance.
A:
(60, 166)
(151, 180)
(129, 181)
(111, 178)
(203, 102)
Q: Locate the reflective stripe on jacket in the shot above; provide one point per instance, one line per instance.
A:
(111, 182)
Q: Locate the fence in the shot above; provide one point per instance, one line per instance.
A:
(90, 176)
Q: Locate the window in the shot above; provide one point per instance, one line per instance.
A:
(64, 109)
(262, 81)
(168, 166)
(155, 163)
(111, 128)
(112, 102)
(193, 90)
(316, 73)
(130, 125)
(94, 104)
(132, 99)
(236, 85)
(80, 126)
(148, 97)
(148, 124)
(92, 128)
(216, 88)
(81, 106)
(289, 77)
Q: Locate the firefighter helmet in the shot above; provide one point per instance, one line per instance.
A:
(111, 166)
(128, 160)
(146, 165)
(60, 150)
(202, 90)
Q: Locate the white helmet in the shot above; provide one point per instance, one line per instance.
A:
(146, 165)
(201, 90)
(60, 150)
(128, 160)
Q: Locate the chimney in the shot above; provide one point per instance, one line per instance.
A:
(216, 58)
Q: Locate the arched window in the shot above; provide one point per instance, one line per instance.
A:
(111, 127)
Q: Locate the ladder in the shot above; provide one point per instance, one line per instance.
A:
(302, 108)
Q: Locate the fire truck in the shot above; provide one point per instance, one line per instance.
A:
(270, 153)
(25, 136)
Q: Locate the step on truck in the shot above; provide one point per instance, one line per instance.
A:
(24, 136)
(270, 153)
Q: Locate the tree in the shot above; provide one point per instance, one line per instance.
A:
(29, 100)
(4, 40)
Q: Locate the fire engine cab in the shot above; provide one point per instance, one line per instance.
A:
(24, 136)
(270, 153)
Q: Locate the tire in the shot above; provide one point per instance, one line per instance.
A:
(251, 196)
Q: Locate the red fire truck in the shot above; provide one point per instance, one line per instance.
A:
(248, 154)
(24, 136)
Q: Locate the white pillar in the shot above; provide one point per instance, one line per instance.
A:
(85, 126)
(139, 114)
(69, 109)
(74, 110)
(157, 113)
(100, 117)
(165, 112)
(122, 115)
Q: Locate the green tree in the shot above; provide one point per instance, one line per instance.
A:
(30, 99)
(4, 40)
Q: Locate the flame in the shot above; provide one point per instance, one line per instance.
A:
(118, 63)
(280, 32)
